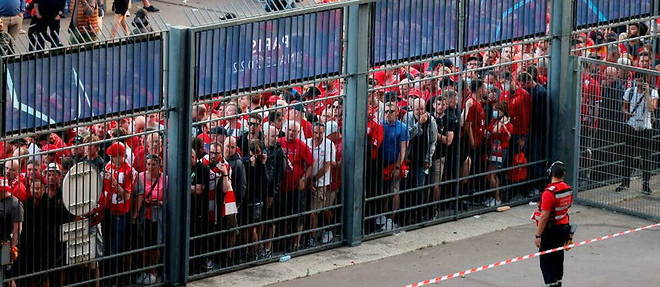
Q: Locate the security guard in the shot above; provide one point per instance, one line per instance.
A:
(552, 224)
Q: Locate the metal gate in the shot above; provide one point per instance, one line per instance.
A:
(618, 138)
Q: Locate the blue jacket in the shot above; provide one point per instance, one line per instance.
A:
(9, 8)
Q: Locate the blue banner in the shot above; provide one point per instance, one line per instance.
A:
(268, 52)
(490, 21)
(62, 88)
(405, 29)
(590, 12)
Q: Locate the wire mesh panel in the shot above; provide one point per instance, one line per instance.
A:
(619, 138)
(83, 158)
(267, 141)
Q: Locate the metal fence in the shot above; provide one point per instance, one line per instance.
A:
(83, 158)
(619, 139)
(291, 131)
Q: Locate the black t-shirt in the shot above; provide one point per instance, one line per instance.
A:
(11, 211)
(200, 202)
(447, 123)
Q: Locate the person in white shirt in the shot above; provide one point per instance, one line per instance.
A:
(325, 153)
(639, 103)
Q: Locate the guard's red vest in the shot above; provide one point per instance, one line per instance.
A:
(563, 200)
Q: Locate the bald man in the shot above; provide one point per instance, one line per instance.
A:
(423, 132)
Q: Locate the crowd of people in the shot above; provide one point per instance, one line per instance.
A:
(266, 168)
(85, 25)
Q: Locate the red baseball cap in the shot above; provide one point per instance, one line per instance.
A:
(116, 149)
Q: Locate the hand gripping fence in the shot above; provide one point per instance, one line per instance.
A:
(528, 256)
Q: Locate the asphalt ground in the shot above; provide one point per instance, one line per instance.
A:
(631, 260)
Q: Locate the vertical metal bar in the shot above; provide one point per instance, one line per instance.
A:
(3, 102)
(575, 88)
(178, 158)
(460, 47)
(358, 40)
(561, 102)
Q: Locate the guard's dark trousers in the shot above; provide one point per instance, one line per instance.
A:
(552, 265)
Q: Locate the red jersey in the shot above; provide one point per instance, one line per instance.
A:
(109, 198)
(19, 190)
(498, 140)
(590, 96)
(374, 137)
(299, 157)
(140, 158)
(520, 110)
(477, 117)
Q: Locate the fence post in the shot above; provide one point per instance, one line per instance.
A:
(355, 123)
(179, 102)
(563, 133)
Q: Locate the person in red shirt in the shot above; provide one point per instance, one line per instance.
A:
(474, 126)
(553, 224)
(499, 135)
(16, 181)
(116, 196)
(291, 199)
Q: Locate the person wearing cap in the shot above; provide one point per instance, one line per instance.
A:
(553, 224)
(116, 196)
(78, 151)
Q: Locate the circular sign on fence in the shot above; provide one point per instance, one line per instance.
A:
(81, 188)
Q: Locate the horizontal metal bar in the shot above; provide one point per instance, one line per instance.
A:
(461, 54)
(616, 65)
(132, 271)
(272, 259)
(260, 91)
(614, 42)
(130, 252)
(329, 226)
(82, 145)
(270, 221)
(617, 24)
(87, 123)
(617, 209)
(281, 14)
(457, 73)
(275, 108)
(456, 180)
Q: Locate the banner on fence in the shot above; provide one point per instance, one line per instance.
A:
(268, 52)
(62, 88)
(405, 29)
(589, 12)
(490, 21)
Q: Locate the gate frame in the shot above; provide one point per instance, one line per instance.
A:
(574, 167)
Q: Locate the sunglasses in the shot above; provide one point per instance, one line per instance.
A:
(253, 124)
(390, 111)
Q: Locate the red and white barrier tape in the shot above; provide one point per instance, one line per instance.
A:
(521, 258)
